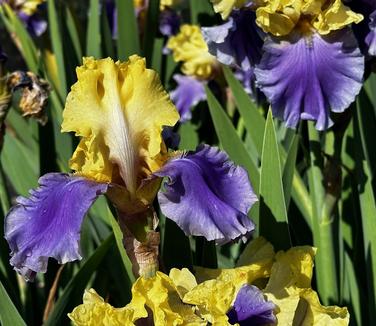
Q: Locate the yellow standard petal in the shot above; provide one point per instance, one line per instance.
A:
(336, 17)
(160, 295)
(94, 311)
(281, 17)
(189, 47)
(213, 299)
(224, 7)
(119, 110)
(183, 279)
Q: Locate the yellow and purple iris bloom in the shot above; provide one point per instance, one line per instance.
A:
(198, 66)
(310, 62)
(27, 11)
(119, 109)
(265, 289)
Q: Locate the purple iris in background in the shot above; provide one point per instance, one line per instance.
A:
(207, 195)
(169, 22)
(251, 309)
(237, 43)
(306, 61)
(366, 30)
(188, 93)
(305, 78)
(371, 36)
(34, 23)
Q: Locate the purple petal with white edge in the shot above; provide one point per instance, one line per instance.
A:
(371, 37)
(237, 42)
(47, 224)
(250, 308)
(188, 93)
(207, 195)
(306, 77)
(169, 22)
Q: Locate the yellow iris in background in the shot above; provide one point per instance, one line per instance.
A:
(280, 17)
(190, 48)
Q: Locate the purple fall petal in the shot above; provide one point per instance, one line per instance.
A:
(188, 93)
(34, 24)
(207, 195)
(371, 37)
(47, 224)
(306, 77)
(250, 308)
(236, 42)
(169, 22)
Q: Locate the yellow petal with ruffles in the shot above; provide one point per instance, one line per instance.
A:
(293, 267)
(289, 287)
(189, 47)
(336, 17)
(316, 314)
(159, 294)
(256, 251)
(119, 110)
(183, 279)
(273, 22)
(236, 276)
(213, 299)
(94, 311)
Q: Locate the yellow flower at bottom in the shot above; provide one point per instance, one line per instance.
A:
(289, 287)
(189, 47)
(94, 311)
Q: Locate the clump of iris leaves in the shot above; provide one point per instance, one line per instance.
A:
(295, 185)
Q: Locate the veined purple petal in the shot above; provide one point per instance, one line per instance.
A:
(207, 195)
(306, 77)
(236, 42)
(188, 93)
(371, 37)
(250, 308)
(47, 224)
(169, 22)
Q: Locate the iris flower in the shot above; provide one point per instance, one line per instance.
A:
(118, 109)
(310, 62)
(27, 11)
(198, 66)
(224, 296)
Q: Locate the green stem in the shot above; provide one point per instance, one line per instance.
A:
(323, 224)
